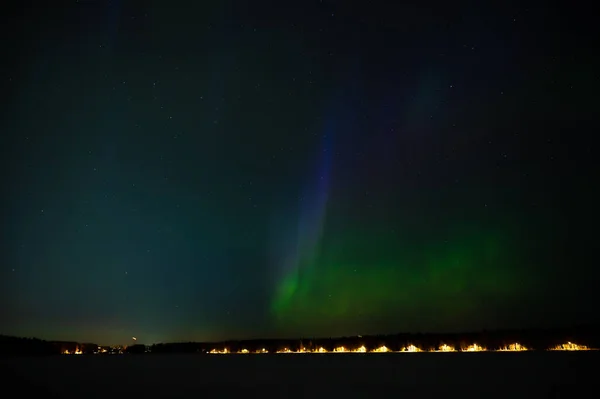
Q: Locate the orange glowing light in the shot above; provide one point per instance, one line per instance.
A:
(516, 347)
(381, 349)
(411, 348)
(570, 346)
(474, 348)
(513, 347)
(446, 348)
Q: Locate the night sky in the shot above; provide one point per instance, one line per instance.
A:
(239, 169)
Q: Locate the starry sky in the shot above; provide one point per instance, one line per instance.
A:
(232, 169)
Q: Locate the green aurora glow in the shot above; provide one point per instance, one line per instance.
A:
(432, 285)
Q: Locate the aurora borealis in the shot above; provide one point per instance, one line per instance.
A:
(309, 168)
(432, 287)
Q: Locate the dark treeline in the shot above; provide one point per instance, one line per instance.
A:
(32, 346)
(26, 346)
(136, 349)
(535, 339)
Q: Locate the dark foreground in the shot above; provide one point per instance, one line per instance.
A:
(413, 375)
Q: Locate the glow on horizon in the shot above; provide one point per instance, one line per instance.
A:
(514, 347)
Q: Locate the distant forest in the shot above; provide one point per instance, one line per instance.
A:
(33, 346)
(534, 339)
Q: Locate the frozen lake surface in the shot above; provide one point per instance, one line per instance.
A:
(412, 375)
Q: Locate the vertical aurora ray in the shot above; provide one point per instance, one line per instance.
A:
(310, 226)
(429, 270)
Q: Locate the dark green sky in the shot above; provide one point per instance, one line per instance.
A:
(307, 168)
